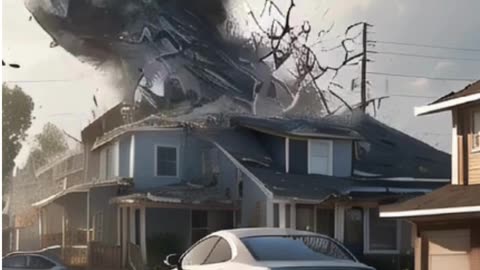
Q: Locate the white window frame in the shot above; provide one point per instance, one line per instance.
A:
(366, 233)
(474, 148)
(177, 173)
(330, 155)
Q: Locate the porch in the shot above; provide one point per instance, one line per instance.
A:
(151, 226)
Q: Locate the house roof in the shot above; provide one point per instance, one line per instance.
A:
(110, 119)
(470, 93)
(296, 127)
(240, 143)
(450, 199)
(179, 194)
(82, 188)
(389, 153)
(322, 187)
(152, 122)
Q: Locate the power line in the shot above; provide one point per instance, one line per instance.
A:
(428, 46)
(428, 56)
(39, 81)
(411, 96)
(422, 77)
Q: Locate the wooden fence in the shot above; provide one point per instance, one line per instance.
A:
(103, 256)
(75, 256)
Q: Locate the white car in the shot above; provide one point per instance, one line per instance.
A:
(264, 249)
(31, 260)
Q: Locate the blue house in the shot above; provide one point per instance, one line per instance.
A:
(157, 185)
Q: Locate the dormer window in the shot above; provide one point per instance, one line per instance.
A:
(476, 131)
(320, 154)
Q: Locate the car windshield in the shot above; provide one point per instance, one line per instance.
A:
(295, 248)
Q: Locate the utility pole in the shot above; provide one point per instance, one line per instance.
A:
(363, 85)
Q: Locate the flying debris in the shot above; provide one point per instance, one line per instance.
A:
(95, 101)
(170, 54)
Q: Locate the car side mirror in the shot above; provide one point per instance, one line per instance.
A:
(172, 260)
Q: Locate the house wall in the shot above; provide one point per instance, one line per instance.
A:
(342, 158)
(276, 148)
(144, 172)
(52, 218)
(229, 176)
(253, 205)
(448, 224)
(124, 159)
(298, 156)
(76, 210)
(99, 202)
(171, 221)
(468, 160)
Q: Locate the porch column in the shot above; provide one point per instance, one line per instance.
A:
(88, 216)
(339, 222)
(124, 234)
(119, 226)
(293, 216)
(132, 225)
(64, 228)
(143, 238)
(17, 239)
(282, 216)
(40, 231)
(269, 213)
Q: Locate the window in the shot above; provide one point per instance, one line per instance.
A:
(383, 233)
(15, 262)
(220, 253)
(476, 131)
(294, 248)
(166, 161)
(320, 157)
(40, 263)
(199, 253)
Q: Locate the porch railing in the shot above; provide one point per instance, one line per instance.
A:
(52, 239)
(101, 256)
(72, 238)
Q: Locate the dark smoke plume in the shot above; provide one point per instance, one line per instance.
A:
(169, 56)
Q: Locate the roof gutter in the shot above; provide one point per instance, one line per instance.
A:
(430, 212)
(445, 105)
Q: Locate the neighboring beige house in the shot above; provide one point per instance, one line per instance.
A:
(448, 220)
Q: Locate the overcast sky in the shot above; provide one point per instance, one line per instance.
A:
(68, 102)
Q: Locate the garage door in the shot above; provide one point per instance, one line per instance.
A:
(448, 250)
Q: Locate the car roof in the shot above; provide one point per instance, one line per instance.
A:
(44, 253)
(250, 232)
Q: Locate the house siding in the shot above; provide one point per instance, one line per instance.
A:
(298, 156)
(161, 221)
(342, 158)
(145, 142)
(275, 146)
(253, 204)
(124, 158)
(468, 160)
(99, 202)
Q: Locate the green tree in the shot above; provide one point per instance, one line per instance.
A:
(17, 110)
(49, 143)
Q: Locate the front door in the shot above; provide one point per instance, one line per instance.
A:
(353, 237)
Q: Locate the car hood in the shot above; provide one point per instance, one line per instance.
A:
(310, 265)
